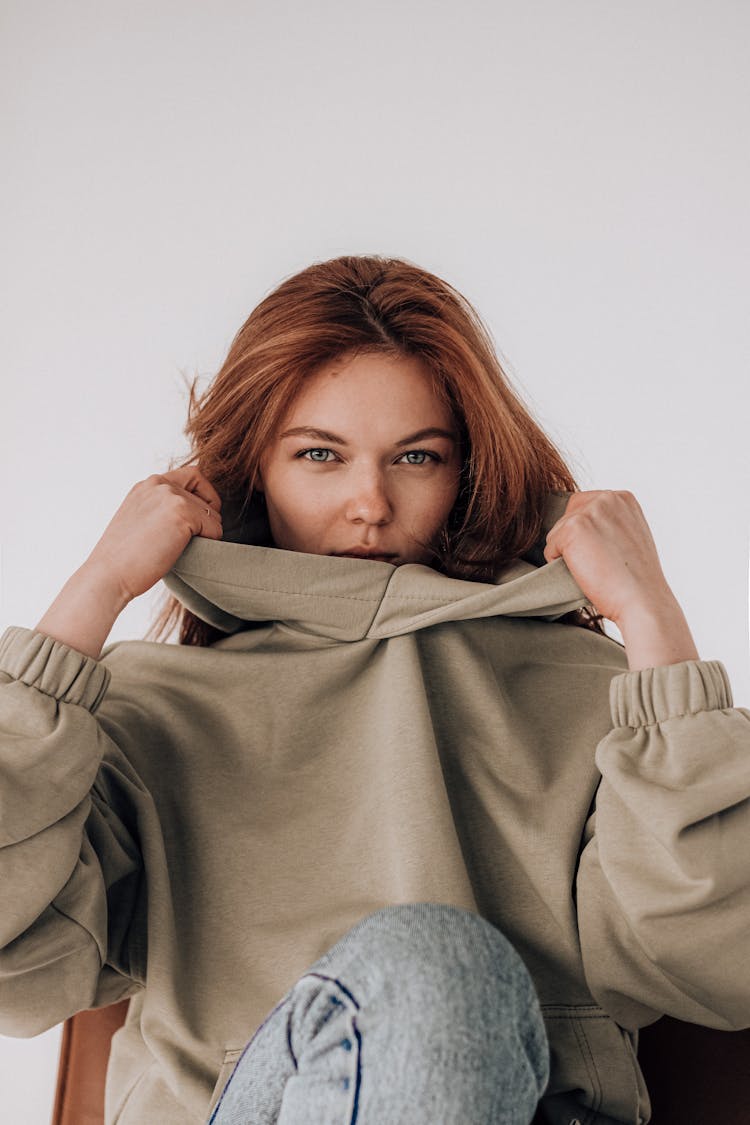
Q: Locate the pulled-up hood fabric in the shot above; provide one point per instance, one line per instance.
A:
(240, 579)
(194, 826)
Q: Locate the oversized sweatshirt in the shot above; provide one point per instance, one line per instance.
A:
(192, 827)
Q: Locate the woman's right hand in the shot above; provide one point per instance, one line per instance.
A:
(145, 537)
(151, 528)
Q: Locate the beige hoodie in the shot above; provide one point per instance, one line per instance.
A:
(193, 827)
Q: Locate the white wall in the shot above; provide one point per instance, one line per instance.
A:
(580, 171)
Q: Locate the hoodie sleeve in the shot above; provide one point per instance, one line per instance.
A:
(663, 885)
(70, 865)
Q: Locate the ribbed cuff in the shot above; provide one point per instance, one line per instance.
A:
(651, 695)
(53, 667)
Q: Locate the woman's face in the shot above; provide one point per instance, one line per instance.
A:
(366, 476)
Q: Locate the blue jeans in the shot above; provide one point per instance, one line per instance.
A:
(421, 1013)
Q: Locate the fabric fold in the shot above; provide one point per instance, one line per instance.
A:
(653, 695)
(53, 667)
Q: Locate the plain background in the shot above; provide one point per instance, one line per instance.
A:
(578, 170)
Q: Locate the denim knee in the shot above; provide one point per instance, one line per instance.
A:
(441, 965)
(440, 940)
(420, 1012)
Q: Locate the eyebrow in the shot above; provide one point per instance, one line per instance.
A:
(326, 435)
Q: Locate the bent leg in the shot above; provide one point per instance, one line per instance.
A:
(421, 1013)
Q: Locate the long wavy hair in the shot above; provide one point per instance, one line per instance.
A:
(345, 307)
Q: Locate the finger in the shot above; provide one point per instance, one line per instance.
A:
(209, 515)
(211, 525)
(192, 480)
(207, 492)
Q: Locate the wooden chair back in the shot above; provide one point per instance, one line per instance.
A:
(84, 1053)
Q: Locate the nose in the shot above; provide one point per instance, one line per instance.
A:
(368, 500)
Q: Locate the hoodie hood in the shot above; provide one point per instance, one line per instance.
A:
(242, 578)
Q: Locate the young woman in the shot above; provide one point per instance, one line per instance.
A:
(396, 833)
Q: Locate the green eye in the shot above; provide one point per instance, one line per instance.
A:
(304, 452)
(420, 453)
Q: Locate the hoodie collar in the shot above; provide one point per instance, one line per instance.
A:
(241, 578)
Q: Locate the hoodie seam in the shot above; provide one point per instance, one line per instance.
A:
(328, 597)
(658, 722)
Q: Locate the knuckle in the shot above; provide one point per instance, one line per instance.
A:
(623, 496)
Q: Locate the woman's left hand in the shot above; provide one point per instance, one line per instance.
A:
(608, 548)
